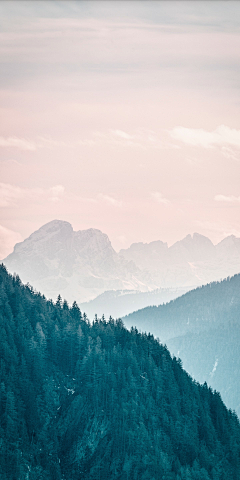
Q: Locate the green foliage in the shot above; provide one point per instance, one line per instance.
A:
(97, 402)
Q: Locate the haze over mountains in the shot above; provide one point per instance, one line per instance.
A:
(192, 261)
(202, 328)
(119, 303)
(83, 265)
(78, 265)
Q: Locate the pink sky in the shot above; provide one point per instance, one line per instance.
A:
(122, 116)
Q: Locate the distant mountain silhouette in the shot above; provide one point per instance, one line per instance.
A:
(82, 265)
(119, 303)
(192, 261)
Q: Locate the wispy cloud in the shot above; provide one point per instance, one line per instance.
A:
(122, 134)
(56, 192)
(158, 197)
(43, 142)
(142, 138)
(230, 153)
(15, 142)
(227, 199)
(199, 137)
(10, 195)
(110, 200)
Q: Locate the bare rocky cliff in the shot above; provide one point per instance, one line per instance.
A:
(82, 265)
(78, 265)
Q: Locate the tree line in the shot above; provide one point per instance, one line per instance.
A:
(96, 401)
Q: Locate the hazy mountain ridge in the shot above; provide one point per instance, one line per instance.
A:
(82, 265)
(202, 328)
(197, 310)
(119, 303)
(213, 356)
(194, 260)
(55, 259)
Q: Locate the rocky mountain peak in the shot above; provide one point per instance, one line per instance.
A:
(78, 265)
(201, 239)
(193, 247)
(230, 243)
(45, 233)
(83, 264)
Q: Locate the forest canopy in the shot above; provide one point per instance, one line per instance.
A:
(97, 401)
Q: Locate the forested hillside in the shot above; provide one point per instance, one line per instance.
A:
(198, 310)
(92, 402)
(214, 357)
(202, 328)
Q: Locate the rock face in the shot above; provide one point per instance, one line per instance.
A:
(192, 261)
(82, 265)
(78, 265)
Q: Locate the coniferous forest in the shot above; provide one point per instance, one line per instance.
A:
(96, 401)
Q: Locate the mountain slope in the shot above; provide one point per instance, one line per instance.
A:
(198, 310)
(213, 356)
(119, 303)
(89, 402)
(202, 328)
(81, 265)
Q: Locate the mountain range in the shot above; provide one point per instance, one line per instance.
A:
(83, 265)
(192, 261)
(78, 265)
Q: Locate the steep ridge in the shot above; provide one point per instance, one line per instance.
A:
(94, 402)
(198, 310)
(213, 356)
(202, 328)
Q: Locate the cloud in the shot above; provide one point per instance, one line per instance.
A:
(56, 192)
(8, 238)
(122, 134)
(48, 142)
(124, 139)
(110, 200)
(41, 142)
(159, 198)
(198, 137)
(230, 153)
(16, 142)
(227, 199)
(141, 138)
(10, 195)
